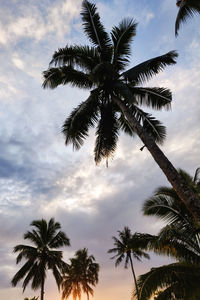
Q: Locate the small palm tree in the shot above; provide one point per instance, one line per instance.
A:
(81, 275)
(179, 239)
(46, 237)
(187, 9)
(116, 95)
(126, 247)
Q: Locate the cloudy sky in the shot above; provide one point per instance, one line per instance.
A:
(41, 178)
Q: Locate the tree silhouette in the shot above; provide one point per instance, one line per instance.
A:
(46, 237)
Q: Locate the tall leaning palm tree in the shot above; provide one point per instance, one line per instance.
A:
(46, 237)
(128, 246)
(81, 275)
(187, 9)
(116, 95)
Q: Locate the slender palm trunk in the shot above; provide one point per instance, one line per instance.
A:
(178, 183)
(42, 289)
(87, 296)
(134, 277)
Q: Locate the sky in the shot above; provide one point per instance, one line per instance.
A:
(42, 178)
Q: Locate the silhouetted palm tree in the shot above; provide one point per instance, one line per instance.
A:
(179, 239)
(80, 276)
(116, 95)
(128, 246)
(46, 237)
(187, 9)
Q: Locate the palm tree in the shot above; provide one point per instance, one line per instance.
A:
(46, 237)
(187, 9)
(126, 247)
(81, 275)
(179, 239)
(116, 95)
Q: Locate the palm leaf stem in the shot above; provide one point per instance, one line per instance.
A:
(85, 2)
(156, 94)
(183, 190)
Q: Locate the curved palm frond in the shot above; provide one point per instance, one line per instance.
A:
(59, 240)
(106, 134)
(30, 275)
(26, 252)
(95, 31)
(22, 272)
(166, 205)
(125, 126)
(122, 36)
(76, 126)
(144, 71)
(151, 125)
(40, 276)
(34, 237)
(178, 242)
(187, 9)
(155, 98)
(54, 77)
(77, 56)
(169, 275)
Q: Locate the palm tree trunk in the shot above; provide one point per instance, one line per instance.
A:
(42, 289)
(178, 183)
(134, 277)
(87, 296)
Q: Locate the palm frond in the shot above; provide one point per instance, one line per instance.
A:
(30, 275)
(95, 31)
(84, 116)
(165, 276)
(22, 272)
(196, 179)
(26, 252)
(145, 70)
(166, 204)
(106, 134)
(125, 126)
(187, 9)
(40, 275)
(83, 57)
(122, 37)
(151, 125)
(156, 98)
(57, 276)
(162, 207)
(54, 77)
(59, 240)
(177, 242)
(34, 237)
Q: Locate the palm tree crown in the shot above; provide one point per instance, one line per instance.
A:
(116, 95)
(127, 246)
(81, 275)
(39, 258)
(101, 68)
